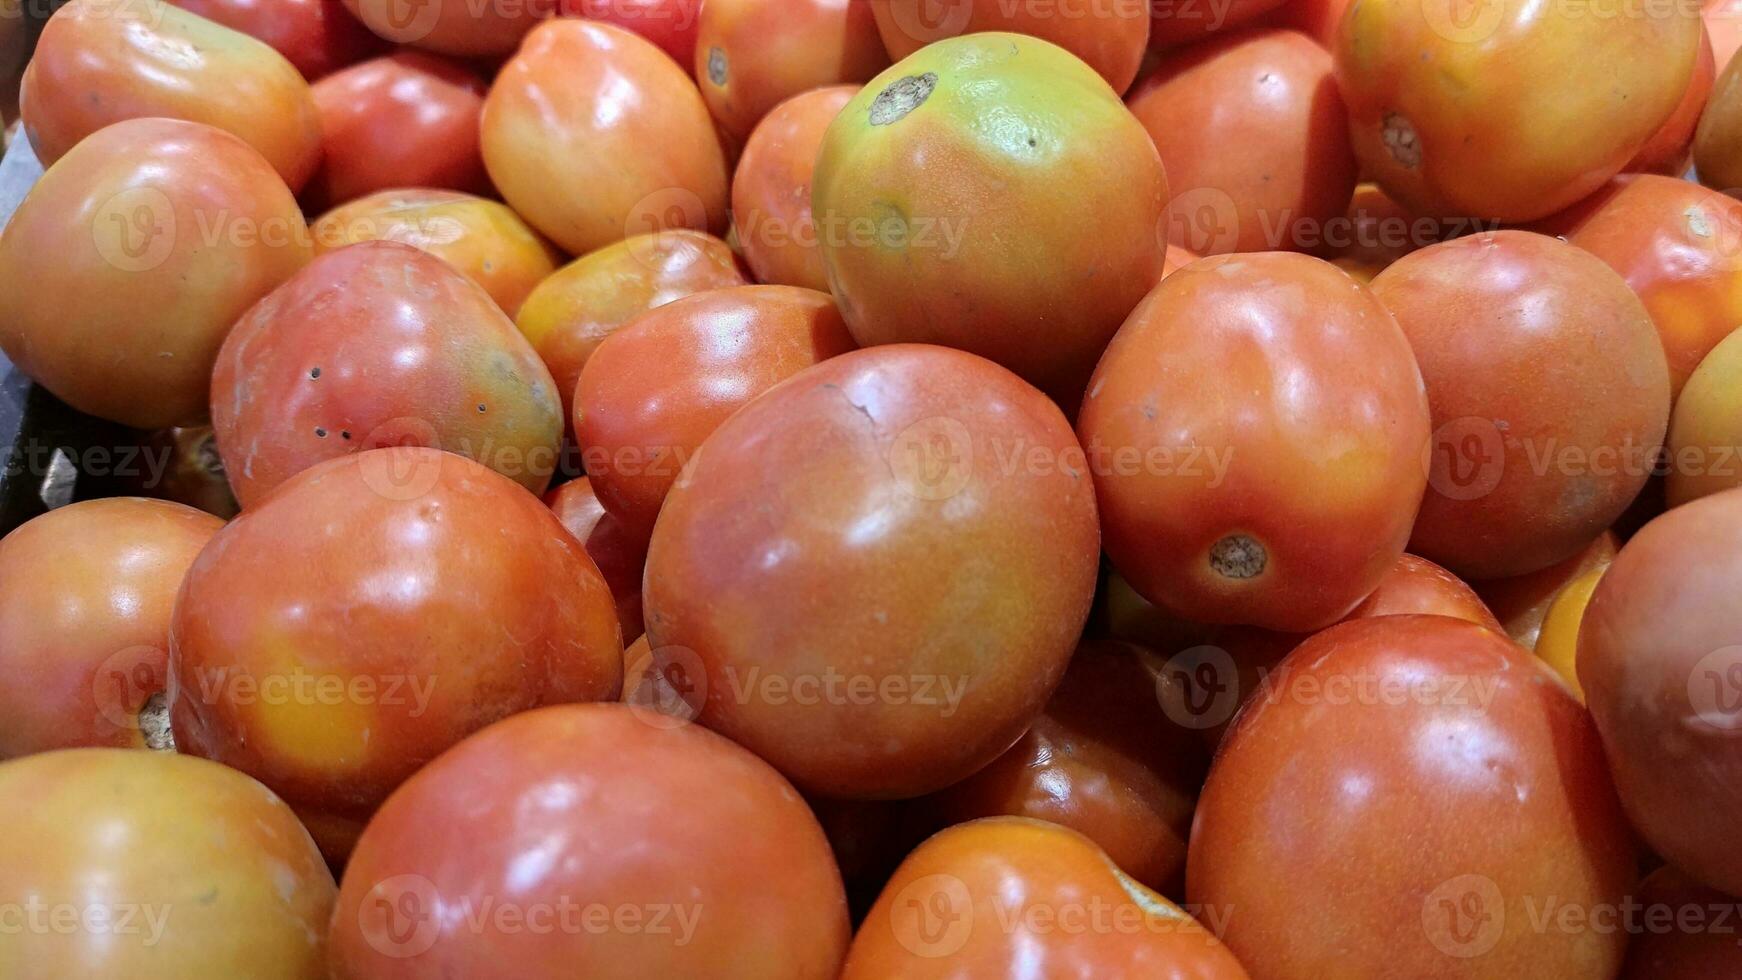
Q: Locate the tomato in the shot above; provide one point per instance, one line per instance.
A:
(131, 258)
(408, 119)
(592, 843)
(1705, 431)
(1718, 140)
(1377, 231)
(1558, 643)
(1522, 602)
(752, 55)
(380, 344)
(1670, 150)
(1550, 397)
(446, 598)
(1028, 249)
(1659, 664)
(1255, 433)
(460, 28)
(1253, 135)
(771, 192)
(1682, 930)
(1427, 785)
(620, 553)
(653, 391)
(671, 24)
(1102, 759)
(1178, 257)
(1510, 112)
(1724, 28)
(569, 140)
(570, 313)
(483, 239)
(155, 866)
(929, 514)
(85, 597)
(1317, 19)
(99, 62)
(319, 37)
(1012, 896)
(1176, 22)
(1108, 37)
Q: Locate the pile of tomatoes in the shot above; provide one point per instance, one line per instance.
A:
(882, 488)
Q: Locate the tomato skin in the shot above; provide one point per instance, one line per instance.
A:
(771, 191)
(1670, 149)
(1016, 896)
(457, 28)
(1111, 39)
(570, 790)
(878, 483)
(106, 268)
(670, 24)
(85, 597)
(944, 270)
(141, 835)
(1514, 332)
(1703, 429)
(319, 37)
(1522, 602)
(1723, 19)
(1250, 129)
(1655, 652)
(1511, 114)
(1558, 644)
(99, 62)
(620, 553)
(407, 119)
(752, 55)
(509, 610)
(379, 344)
(1370, 799)
(1176, 22)
(1680, 936)
(1227, 535)
(1317, 19)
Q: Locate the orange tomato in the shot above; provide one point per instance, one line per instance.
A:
(620, 553)
(1522, 602)
(1670, 150)
(319, 37)
(1108, 37)
(461, 28)
(1558, 643)
(752, 55)
(1705, 430)
(771, 192)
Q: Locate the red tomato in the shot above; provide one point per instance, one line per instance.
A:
(155, 866)
(647, 850)
(1109, 37)
(99, 62)
(1521, 602)
(1175, 22)
(380, 344)
(569, 139)
(1682, 930)
(1255, 141)
(1416, 585)
(85, 597)
(671, 24)
(130, 260)
(1317, 19)
(771, 192)
(1550, 397)
(1663, 677)
(752, 55)
(873, 575)
(319, 37)
(1255, 432)
(620, 553)
(654, 390)
(1429, 787)
(369, 614)
(1011, 896)
(1377, 231)
(408, 119)
(1670, 150)
(461, 28)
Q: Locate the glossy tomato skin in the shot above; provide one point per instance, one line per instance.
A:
(457, 28)
(1109, 38)
(1550, 397)
(1705, 429)
(101, 61)
(551, 810)
(139, 838)
(1240, 383)
(1013, 896)
(771, 191)
(879, 492)
(1670, 149)
(670, 24)
(1657, 659)
(85, 597)
(944, 269)
(407, 119)
(308, 681)
(752, 55)
(1558, 643)
(567, 140)
(656, 389)
(1255, 141)
(620, 553)
(1511, 113)
(319, 37)
(380, 344)
(1522, 601)
(1409, 770)
(1682, 931)
(111, 296)
(484, 239)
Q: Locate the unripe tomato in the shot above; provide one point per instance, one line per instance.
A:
(671, 24)
(319, 37)
(1558, 644)
(1522, 601)
(1110, 37)
(771, 192)
(460, 28)
(1705, 430)
(620, 553)
(752, 55)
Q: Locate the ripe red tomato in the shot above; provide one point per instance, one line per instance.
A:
(130, 260)
(1430, 787)
(1521, 602)
(1255, 141)
(1670, 150)
(620, 553)
(319, 37)
(586, 840)
(85, 597)
(1682, 930)
(1176, 22)
(752, 55)
(380, 344)
(771, 192)
(1255, 432)
(155, 866)
(1108, 37)
(372, 612)
(99, 62)
(570, 141)
(1550, 397)
(408, 119)
(460, 28)
(873, 575)
(1012, 896)
(671, 24)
